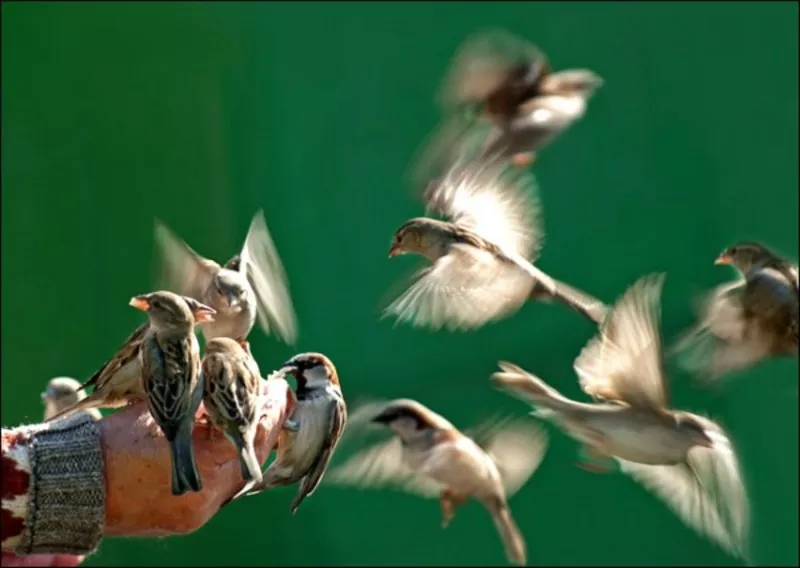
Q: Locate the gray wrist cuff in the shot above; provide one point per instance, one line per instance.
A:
(67, 496)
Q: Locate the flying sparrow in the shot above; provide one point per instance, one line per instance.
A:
(307, 443)
(63, 393)
(429, 457)
(232, 382)
(685, 459)
(481, 258)
(170, 358)
(252, 284)
(748, 320)
(499, 79)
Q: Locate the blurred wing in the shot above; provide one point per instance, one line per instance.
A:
(483, 63)
(516, 446)
(265, 272)
(464, 289)
(708, 495)
(499, 204)
(381, 466)
(624, 363)
(183, 270)
(455, 139)
(720, 343)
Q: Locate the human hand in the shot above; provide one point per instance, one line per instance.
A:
(139, 501)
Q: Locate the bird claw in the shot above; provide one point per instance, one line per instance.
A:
(205, 422)
(291, 425)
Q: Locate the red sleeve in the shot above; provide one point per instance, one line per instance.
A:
(14, 482)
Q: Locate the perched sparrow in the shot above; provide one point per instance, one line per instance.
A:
(482, 257)
(507, 82)
(63, 393)
(746, 321)
(170, 358)
(253, 283)
(431, 458)
(685, 459)
(118, 382)
(232, 381)
(305, 447)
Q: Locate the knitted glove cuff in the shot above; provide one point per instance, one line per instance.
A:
(67, 496)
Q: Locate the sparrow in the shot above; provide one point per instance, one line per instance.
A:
(232, 382)
(481, 257)
(250, 285)
(685, 459)
(504, 82)
(746, 321)
(63, 393)
(431, 458)
(170, 358)
(307, 442)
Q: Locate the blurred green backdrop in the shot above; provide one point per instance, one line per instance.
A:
(202, 113)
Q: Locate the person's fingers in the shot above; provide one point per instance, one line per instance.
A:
(10, 559)
(139, 499)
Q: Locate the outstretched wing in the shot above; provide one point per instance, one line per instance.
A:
(500, 204)
(262, 263)
(516, 446)
(707, 493)
(624, 362)
(464, 289)
(182, 270)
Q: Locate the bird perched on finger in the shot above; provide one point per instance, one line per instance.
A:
(502, 80)
(748, 320)
(63, 393)
(482, 256)
(306, 444)
(430, 457)
(171, 380)
(685, 459)
(251, 285)
(231, 382)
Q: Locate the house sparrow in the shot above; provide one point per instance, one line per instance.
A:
(171, 379)
(232, 382)
(429, 457)
(746, 321)
(685, 459)
(506, 82)
(306, 445)
(481, 258)
(117, 382)
(252, 284)
(63, 393)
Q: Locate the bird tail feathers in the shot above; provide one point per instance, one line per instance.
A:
(184, 467)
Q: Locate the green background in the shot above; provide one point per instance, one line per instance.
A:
(202, 113)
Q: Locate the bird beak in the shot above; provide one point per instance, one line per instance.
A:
(394, 251)
(203, 313)
(723, 259)
(44, 396)
(140, 303)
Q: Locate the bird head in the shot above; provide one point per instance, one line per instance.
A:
(311, 370)
(695, 430)
(169, 311)
(408, 418)
(230, 290)
(744, 255)
(61, 387)
(411, 237)
(582, 82)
